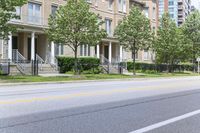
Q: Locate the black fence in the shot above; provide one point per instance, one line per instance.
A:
(25, 67)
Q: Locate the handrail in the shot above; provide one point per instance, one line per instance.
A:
(48, 60)
(19, 59)
(40, 61)
(104, 60)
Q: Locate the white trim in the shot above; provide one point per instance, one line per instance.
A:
(2, 44)
(52, 52)
(121, 53)
(32, 46)
(98, 51)
(10, 47)
(110, 52)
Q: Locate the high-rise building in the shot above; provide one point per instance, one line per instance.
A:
(177, 9)
(170, 6)
(184, 9)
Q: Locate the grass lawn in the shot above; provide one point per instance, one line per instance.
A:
(15, 79)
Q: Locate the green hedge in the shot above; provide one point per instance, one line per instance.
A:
(84, 64)
(160, 67)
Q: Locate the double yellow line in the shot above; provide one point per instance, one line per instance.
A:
(94, 93)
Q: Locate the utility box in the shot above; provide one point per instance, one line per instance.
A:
(4, 68)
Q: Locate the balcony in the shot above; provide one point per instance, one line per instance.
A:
(35, 21)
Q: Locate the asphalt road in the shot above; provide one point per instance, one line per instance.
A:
(153, 106)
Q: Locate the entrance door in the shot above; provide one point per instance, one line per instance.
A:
(14, 42)
(29, 47)
(106, 51)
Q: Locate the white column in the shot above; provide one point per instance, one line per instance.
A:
(121, 53)
(103, 52)
(52, 52)
(10, 46)
(98, 52)
(110, 52)
(87, 50)
(2, 45)
(59, 49)
(32, 46)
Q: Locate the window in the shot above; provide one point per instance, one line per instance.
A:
(110, 4)
(95, 3)
(171, 3)
(34, 12)
(171, 9)
(108, 24)
(122, 5)
(146, 55)
(18, 11)
(154, 13)
(171, 16)
(59, 49)
(146, 12)
(84, 50)
(89, 1)
(53, 9)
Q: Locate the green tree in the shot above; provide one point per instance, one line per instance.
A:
(7, 12)
(191, 29)
(74, 25)
(170, 45)
(134, 32)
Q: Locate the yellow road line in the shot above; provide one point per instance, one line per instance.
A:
(95, 93)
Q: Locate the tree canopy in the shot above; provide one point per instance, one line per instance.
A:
(170, 45)
(74, 25)
(134, 32)
(191, 29)
(7, 12)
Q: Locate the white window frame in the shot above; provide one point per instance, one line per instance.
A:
(34, 17)
(108, 26)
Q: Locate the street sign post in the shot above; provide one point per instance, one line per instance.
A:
(198, 60)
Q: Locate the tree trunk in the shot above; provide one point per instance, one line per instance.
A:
(194, 59)
(134, 73)
(75, 62)
(167, 68)
(134, 52)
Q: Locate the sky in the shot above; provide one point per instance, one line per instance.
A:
(196, 3)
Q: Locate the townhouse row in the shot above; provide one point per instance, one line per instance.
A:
(31, 42)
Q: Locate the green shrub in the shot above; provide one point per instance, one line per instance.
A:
(143, 67)
(87, 64)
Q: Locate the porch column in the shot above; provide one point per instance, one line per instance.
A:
(86, 50)
(59, 49)
(2, 44)
(32, 46)
(110, 52)
(52, 52)
(121, 53)
(98, 55)
(10, 46)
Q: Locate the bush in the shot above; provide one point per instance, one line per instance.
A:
(145, 67)
(89, 64)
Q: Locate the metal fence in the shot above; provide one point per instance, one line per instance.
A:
(25, 67)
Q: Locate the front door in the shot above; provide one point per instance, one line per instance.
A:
(106, 51)
(14, 42)
(29, 47)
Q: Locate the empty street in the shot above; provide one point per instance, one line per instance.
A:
(131, 106)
